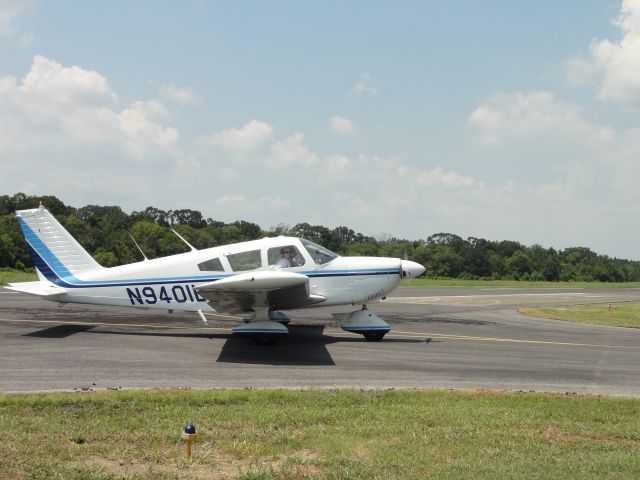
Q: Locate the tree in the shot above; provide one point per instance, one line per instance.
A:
(551, 269)
(519, 265)
(248, 230)
(193, 218)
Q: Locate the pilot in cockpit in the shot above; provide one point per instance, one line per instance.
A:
(288, 257)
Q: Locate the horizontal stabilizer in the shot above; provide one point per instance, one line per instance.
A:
(41, 289)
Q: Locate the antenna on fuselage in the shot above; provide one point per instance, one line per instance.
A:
(193, 249)
(134, 241)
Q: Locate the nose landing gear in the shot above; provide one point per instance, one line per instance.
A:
(364, 322)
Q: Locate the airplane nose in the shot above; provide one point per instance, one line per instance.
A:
(411, 269)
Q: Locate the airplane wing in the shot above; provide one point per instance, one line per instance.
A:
(246, 292)
(45, 290)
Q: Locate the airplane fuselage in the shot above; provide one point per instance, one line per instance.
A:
(170, 283)
(259, 278)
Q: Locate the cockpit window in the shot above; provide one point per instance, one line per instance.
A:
(319, 254)
(213, 265)
(285, 257)
(243, 261)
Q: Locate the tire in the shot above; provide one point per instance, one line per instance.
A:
(374, 336)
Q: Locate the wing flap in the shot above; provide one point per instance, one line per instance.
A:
(245, 292)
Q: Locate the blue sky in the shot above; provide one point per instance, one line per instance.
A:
(501, 120)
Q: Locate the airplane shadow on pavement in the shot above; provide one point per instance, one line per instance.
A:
(305, 345)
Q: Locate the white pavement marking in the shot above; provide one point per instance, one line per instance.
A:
(484, 300)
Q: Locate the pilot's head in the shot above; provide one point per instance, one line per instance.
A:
(287, 252)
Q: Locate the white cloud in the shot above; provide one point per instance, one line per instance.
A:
(53, 83)
(509, 116)
(615, 64)
(70, 112)
(139, 125)
(336, 164)
(232, 200)
(240, 141)
(291, 152)
(181, 95)
(10, 29)
(273, 202)
(342, 126)
(438, 177)
(364, 86)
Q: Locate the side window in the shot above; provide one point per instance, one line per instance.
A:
(285, 257)
(245, 261)
(213, 265)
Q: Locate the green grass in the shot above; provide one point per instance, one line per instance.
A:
(345, 434)
(454, 282)
(626, 314)
(10, 275)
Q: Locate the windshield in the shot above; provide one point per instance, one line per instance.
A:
(319, 254)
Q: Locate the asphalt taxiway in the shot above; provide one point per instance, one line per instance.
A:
(440, 338)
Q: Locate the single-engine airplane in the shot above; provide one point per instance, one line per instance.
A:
(258, 278)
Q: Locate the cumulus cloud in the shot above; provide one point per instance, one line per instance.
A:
(291, 152)
(10, 28)
(335, 164)
(438, 177)
(509, 116)
(364, 86)
(240, 141)
(57, 109)
(181, 95)
(51, 82)
(614, 64)
(140, 124)
(341, 126)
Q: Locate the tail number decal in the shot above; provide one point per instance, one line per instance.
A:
(153, 295)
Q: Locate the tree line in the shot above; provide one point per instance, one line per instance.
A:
(106, 232)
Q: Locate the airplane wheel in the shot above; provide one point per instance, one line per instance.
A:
(374, 336)
(265, 340)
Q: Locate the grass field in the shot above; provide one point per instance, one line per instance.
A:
(9, 275)
(345, 434)
(626, 314)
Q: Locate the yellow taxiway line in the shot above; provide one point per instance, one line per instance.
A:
(504, 340)
(102, 324)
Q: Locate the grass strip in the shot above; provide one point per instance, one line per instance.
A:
(10, 275)
(343, 434)
(625, 314)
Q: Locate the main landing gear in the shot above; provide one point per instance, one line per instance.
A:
(266, 327)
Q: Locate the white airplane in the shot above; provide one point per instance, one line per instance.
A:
(259, 278)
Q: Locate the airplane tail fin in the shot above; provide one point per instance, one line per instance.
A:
(55, 253)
